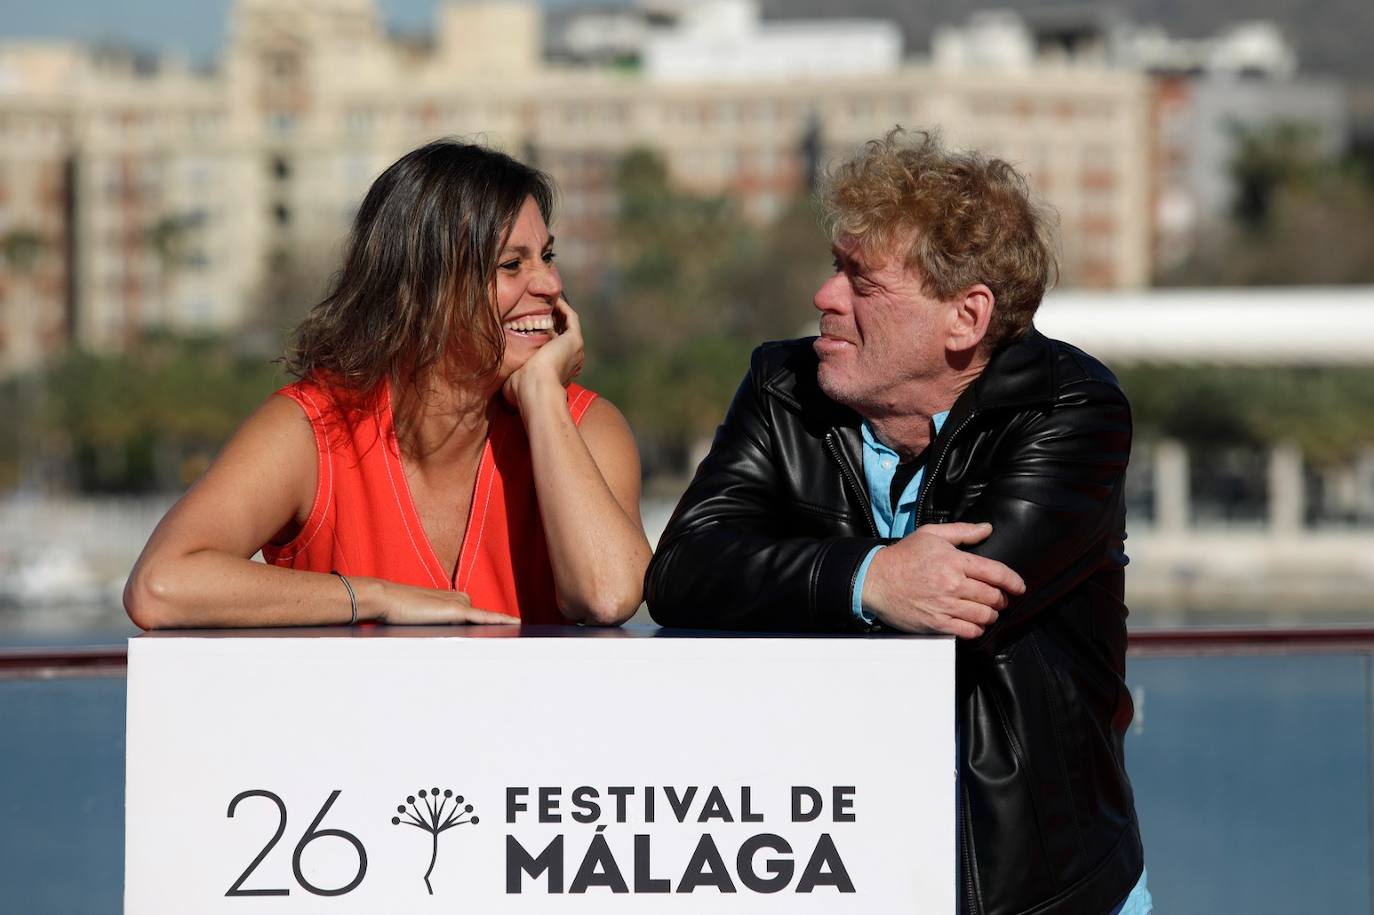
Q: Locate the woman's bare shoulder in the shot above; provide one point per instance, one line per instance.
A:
(274, 451)
(602, 417)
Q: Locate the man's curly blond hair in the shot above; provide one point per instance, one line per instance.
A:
(958, 218)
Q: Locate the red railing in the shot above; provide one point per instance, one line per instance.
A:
(1253, 641)
(41, 663)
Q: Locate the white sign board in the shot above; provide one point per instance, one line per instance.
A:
(560, 775)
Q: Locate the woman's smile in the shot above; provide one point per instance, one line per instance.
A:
(531, 326)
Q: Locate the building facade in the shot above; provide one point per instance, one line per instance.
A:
(1208, 98)
(139, 194)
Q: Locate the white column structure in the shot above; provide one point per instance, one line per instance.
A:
(1172, 509)
(1286, 490)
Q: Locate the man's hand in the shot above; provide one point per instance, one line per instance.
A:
(925, 583)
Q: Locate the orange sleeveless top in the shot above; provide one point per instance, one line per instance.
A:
(364, 522)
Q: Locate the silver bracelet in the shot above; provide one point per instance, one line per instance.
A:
(352, 597)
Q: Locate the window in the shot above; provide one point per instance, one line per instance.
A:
(196, 172)
(202, 122)
(358, 122)
(281, 123)
(282, 64)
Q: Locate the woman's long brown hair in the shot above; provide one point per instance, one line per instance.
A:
(413, 300)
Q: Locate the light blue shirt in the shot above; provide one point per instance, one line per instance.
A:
(1139, 902)
(880, 466)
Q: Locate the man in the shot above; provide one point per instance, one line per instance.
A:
(931, 463)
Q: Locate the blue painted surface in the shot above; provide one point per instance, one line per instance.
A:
(1252, 779)
(62, 796)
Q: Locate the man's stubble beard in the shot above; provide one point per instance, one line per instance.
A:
(844, 395)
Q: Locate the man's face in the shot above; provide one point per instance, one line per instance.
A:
(880, 333)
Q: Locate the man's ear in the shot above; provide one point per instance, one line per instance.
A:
(970, 313)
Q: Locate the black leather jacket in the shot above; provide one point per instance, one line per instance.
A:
(771, 532)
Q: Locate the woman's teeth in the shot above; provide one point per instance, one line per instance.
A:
(542, 324)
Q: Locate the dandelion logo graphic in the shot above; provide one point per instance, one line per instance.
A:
(434, 813)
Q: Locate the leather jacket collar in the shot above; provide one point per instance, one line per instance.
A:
(1020, 374)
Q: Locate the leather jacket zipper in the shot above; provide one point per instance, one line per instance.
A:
(967, 876)
(939, 462)
(853, 483)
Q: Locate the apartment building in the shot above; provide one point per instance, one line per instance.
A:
(1207, 98)
(36, 201)
(142, 193)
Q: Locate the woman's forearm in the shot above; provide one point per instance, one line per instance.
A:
(596, 546)
(211, 589)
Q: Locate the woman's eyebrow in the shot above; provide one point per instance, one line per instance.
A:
(524, 250)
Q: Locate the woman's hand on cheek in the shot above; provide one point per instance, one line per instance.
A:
(554, 365)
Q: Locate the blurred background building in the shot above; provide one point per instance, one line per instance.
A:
(158, 196)
(163, 224)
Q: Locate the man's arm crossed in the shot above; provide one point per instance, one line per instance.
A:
(1054, 499)
(727, 560)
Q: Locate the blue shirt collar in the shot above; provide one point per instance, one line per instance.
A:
(880, 465)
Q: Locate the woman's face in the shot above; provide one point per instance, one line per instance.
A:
(527, 286)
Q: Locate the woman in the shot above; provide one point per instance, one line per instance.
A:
(433, 463)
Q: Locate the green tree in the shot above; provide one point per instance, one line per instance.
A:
(692, 288)
(170, 237)
(149, 419)
(1266, 161)
(1298, 219)
(1327, 411)
(20, 249)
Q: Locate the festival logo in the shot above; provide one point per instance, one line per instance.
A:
(435, 813)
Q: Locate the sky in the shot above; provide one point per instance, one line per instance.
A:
(193, 27)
